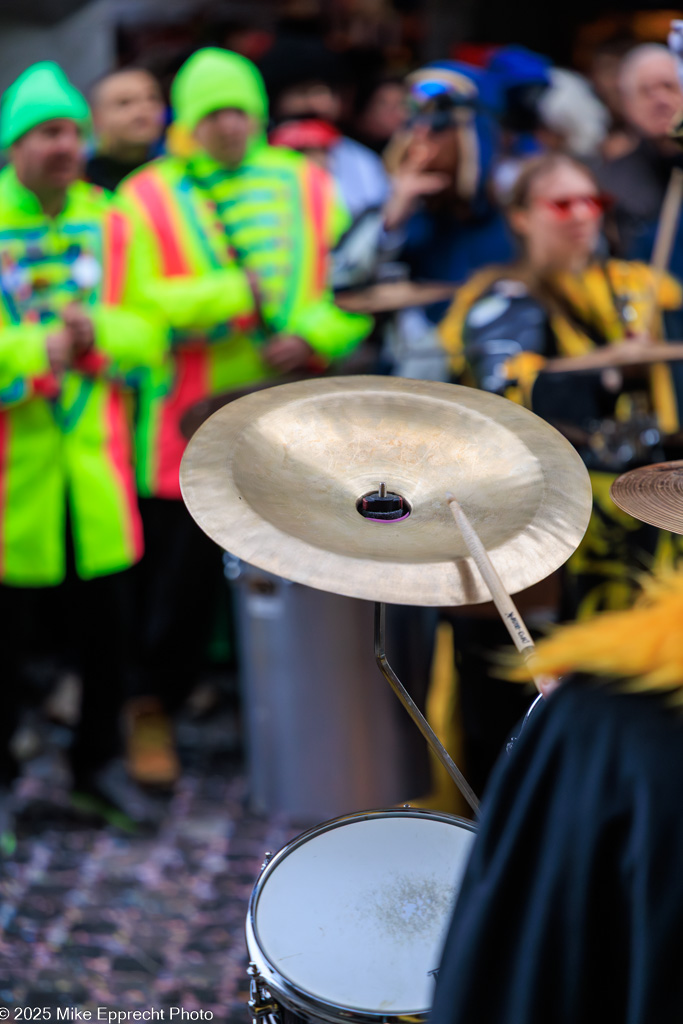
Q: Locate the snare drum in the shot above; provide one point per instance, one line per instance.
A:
(346, 923)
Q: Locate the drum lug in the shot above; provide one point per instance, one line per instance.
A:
(268, 856)
(264, 1009)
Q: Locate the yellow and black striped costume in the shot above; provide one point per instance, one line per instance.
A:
(499, 331)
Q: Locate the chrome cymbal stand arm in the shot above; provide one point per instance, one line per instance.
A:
(411, 707)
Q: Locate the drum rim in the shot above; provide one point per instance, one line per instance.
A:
(279, 985)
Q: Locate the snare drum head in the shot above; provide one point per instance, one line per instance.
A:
(356, 915)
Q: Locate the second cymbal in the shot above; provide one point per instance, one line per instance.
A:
(652, 494)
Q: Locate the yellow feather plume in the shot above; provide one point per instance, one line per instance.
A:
(642, 646)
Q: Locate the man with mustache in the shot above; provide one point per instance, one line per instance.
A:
(70, 338)
(652, 99)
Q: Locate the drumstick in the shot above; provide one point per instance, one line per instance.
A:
(631, 353)
(506, 607)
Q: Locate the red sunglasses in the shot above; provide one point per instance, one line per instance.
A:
(563, 208)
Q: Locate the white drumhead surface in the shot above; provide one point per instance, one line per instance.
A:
(357, 915)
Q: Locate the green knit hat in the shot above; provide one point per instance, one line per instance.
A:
(212, 79)
(40, 93)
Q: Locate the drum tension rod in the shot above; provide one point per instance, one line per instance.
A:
(411, 707)
(264, 1009)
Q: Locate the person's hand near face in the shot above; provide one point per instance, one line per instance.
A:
(416, 177)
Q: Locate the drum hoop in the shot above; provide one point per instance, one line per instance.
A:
(313, 1007)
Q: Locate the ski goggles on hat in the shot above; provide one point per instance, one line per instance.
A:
(439, 97)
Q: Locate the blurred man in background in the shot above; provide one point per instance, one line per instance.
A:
(653, 105)
(237, 238)
(128, 119)
(307, 85)
(378, 111)
(69, 523)
(603, 73)
(652, 100)
(305, 81)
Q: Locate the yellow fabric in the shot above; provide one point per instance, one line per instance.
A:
(180, 141)
(643, 645)
(601, 483)
(664, 398)
(443, 714)
(611, 534)
(590, 294)
(450, 330)
(522, 371)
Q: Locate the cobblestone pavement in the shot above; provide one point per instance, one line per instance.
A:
(90, 917)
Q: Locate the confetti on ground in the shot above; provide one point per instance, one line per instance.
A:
(91, 917)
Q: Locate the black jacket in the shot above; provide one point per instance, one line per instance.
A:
(571, 909)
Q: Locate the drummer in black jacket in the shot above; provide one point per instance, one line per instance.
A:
(571, 908)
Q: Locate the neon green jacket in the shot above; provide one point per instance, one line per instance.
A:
(67, 440)
(276, 216)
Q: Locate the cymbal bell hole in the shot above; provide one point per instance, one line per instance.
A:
(383, 506)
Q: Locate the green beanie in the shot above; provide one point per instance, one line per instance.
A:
(212, 79)
(39, 94)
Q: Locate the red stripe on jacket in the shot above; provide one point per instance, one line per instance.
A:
(191, 364)
(151, 198)
(115, 267)
(190, 387)
(120, 456)
(318, 204)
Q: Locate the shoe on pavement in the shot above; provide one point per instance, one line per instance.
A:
(151, 758)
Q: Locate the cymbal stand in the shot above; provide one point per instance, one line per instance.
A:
(435, 745)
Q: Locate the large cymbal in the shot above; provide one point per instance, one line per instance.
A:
(275, 478)
(653, 494)
(193, 417)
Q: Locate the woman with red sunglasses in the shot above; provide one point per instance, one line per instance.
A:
(562, 298)
(560, 282)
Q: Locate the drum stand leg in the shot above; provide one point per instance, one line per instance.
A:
(411, 707)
